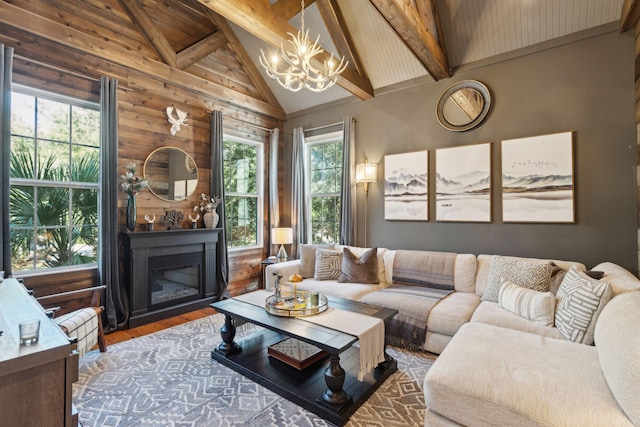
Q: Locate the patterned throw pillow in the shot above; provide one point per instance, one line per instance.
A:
(328, 264)
(529, 274)
(308, 258)
(580, 301)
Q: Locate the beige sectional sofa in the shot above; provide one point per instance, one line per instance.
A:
(499, 368)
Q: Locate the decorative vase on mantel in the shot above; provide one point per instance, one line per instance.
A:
(131, 213)
(211, 219)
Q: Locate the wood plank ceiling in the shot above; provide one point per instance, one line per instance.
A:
(195, 43)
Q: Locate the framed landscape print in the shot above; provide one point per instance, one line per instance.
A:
(463, 183)
(537, 179)
(406, 186)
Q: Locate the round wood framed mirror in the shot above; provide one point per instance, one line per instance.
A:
(172, 173)
(463, 105)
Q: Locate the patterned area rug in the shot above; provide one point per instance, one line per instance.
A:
(169, 379)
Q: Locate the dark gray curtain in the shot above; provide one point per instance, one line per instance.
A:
(348, 223)
(217, 188)
(6, 63)
(274, 200)
(298, 194)
(108, 256)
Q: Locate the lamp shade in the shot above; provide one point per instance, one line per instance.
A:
(282, 236)
(366, 172)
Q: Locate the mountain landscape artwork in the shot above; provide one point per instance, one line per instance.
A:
(537, 179)
(463, 183)
(406, 186)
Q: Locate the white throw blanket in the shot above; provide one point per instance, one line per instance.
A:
(368, 329)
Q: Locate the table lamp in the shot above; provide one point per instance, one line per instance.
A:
(282, 236)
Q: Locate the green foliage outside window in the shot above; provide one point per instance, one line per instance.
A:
(242, 164)
(53, 201)
(325, 169)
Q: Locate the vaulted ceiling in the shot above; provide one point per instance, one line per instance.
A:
(388, 43)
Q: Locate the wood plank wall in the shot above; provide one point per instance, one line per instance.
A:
(142, 101)
(631, 19)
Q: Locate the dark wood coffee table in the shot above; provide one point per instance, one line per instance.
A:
(330, 388)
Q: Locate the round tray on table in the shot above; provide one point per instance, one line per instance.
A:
(298, 306)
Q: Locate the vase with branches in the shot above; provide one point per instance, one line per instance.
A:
(207, 206)
(132, 185)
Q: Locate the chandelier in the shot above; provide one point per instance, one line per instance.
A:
(297, 71)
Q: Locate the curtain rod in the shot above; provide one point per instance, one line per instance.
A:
(246, 123)
(322, 127)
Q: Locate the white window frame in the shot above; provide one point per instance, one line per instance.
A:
(310, 141)
(77, 102)
(260, 189)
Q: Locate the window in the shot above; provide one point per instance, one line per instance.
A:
(54, 187)
(324, 165)
(243, 172)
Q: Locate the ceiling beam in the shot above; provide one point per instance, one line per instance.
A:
(241, 53)
(410, 25)
(192, 54)
(337, 27)
(24, 21)
(287, 9)
(629, 15)
(262, 23)
(142, 21)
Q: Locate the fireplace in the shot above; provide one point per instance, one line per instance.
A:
(170, 272)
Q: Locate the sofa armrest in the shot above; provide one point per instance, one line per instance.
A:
(285, 269)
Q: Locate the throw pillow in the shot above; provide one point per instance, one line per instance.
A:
(521, 271)
(539, 307)
(580, 301)
(308, 259)
(328, 264)
(359, 270)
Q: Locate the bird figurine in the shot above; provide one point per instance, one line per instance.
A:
(176, 123)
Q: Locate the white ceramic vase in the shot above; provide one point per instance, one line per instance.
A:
(210, 219)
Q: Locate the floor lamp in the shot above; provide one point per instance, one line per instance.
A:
(365, 173)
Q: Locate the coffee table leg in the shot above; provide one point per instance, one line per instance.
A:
(228, 333)
(334, 377)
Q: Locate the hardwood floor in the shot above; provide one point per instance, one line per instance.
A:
(127, 334)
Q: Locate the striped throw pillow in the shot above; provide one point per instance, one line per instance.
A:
(328, 264)
(580, 301)
(539, 307)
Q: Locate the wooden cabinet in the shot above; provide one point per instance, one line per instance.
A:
(35, 379)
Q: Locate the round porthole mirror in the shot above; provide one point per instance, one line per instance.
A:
(172, 173)
(463, 106)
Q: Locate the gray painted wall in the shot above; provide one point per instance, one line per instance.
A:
(584, 86)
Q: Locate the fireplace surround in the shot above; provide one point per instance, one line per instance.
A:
(170, 272)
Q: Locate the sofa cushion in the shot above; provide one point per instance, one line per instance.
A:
(489, 375)
(352, 291)
(463, 276)
(328, 264)
(618, 342)
(491, 313)
(539, 307)
(308, 259)
(358, 251)
(529, 274)
(363, 269)
(451, 312)
(620, 279)
(580, 301)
